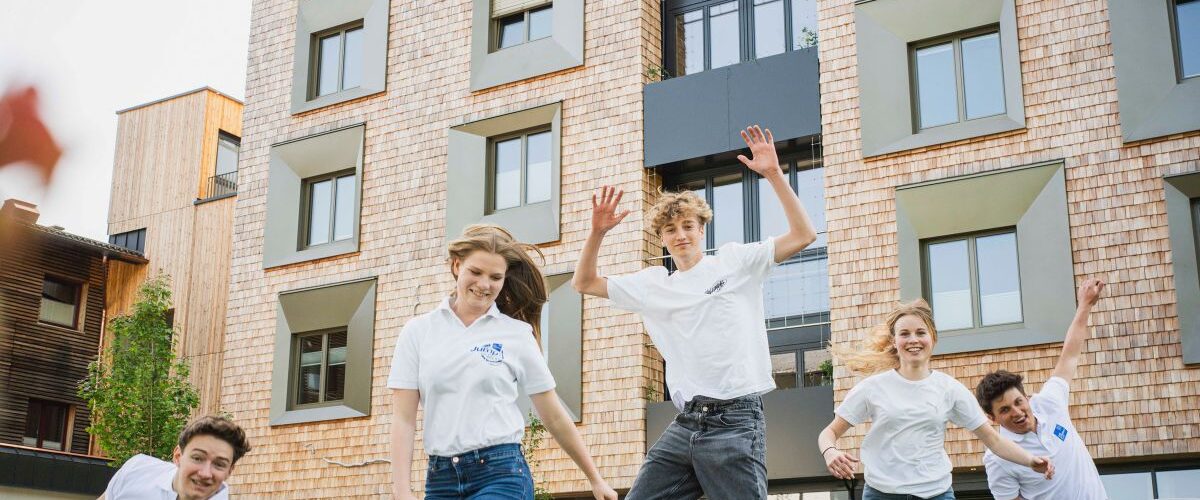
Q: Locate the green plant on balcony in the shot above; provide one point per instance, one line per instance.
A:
(535, 432)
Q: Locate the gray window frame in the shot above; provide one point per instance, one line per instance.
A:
(747, 50)
(306, 207)
(294, 368)
(314, 72)
(494, 44)
(1172, 12)
(79, 295)
(1182, 196)
(523, 135)
(973, 274)
(955, 39)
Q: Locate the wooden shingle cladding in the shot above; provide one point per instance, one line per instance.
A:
(403, 241)
(39, 360)
(166, 152)
(1133, 397)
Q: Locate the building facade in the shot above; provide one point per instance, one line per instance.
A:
(989, 156)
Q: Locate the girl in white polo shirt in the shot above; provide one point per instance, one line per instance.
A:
(904, 453)
(466, 361)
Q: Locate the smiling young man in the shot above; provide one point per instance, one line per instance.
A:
(208, 447)
(707, 321)
(1041, 424)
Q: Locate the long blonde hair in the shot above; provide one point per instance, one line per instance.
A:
(877, 352)
(524, 290)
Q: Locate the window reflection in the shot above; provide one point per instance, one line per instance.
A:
(950, 285)
(937, 91)
(768, 27)
(725, 41)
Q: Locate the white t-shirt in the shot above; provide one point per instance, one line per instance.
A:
(1075, 476)
(905, 449)
(469, 377)
(143, 477)
(707, 322)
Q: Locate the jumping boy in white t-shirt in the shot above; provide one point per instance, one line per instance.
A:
(1041, 424)
(204, 457)
(707, 320)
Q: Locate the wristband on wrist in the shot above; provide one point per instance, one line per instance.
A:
(827, 449)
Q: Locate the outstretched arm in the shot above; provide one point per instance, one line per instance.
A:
(840, 464)
(587, 279)
(563, 429)
(765, 162)
(404, 427)
(1078, 333)
(1009, 450)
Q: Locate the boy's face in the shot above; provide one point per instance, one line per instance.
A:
(1011, 411)
(204, 464)
(683, 236)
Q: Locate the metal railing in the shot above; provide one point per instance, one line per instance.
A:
(220, 185)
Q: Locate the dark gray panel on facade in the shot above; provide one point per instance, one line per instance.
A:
(700, 115)
(53, 472)
(794, 419)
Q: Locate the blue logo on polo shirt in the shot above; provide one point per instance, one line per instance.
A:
(491, 353)
(1060, 432)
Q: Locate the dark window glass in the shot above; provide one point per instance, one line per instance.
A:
(46, 425)
(311, 352)
(60, 300)
(1187, 34)
(133, 240)
(783, 369)
(320, 367)
(335, 378)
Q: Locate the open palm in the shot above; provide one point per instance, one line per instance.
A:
(604, 209)
(763, 159)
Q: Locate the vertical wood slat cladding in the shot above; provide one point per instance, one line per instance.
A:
(40, 360)
(402, 233)
(187, 241)
(1132, 396)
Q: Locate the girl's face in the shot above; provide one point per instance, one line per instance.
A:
(480, 276)
(913, 341)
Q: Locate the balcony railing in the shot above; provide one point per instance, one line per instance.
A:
(220, 186)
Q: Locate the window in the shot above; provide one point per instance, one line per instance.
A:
(1187, 37)
(513, 29)
(958, 79)
(520, 172)
(1150, 485)
(320, 367)
(712, 34)
(1182, 193)
(133, 240)
(974, 281)
(329, 208)
(46, 425)
(224, 179)
(60, 302)
(812, 367)
(337, 59)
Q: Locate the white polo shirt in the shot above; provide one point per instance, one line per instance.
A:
(469, 377)
(1075, 474)
(707, 322)
(905, 449)
(143, 477)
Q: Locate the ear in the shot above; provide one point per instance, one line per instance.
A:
(176, 454)
(990, 417)
(454, 265)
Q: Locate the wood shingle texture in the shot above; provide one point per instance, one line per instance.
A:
(402, 240)
(1133, 396)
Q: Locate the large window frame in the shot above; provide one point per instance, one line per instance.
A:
(1151, 473)
(323, 399)
(526, 25)
(314, 80)
(38, 409)
(523, 182)
(1176, 46)
(307, 208)
(973, 269)
(75, 307)
(674, 10)
(956, 41)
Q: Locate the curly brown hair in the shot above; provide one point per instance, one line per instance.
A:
(994, 385)
(673, 205)
(219, 427)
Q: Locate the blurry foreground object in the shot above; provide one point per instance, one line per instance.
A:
(23, 136)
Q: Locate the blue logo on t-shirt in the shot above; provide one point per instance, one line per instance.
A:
(491, 353)
(1060, 432)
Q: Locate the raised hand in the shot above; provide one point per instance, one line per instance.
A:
(840, 464)
(604, 209)
(1042, 465)
(764, 161)
(1090, 291)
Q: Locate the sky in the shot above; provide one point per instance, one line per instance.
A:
(89, 59)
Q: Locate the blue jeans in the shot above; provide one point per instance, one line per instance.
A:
(715, 448)
(492, 473)
(870, 493)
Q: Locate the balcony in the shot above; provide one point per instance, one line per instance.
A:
(700, 114)
(219, 186)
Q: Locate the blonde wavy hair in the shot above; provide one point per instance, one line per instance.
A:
(524, 290)
(672, 205)
(877, 351)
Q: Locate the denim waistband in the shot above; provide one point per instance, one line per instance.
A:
(487, 452)
(706, 403)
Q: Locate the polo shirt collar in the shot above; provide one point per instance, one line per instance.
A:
(493, 311)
